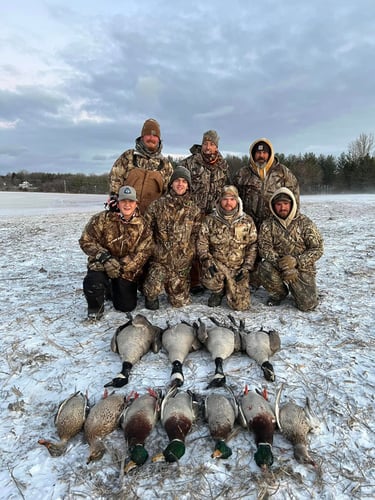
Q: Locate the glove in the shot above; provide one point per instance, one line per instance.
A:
(240, 275)
(111, 203)
(212, 270)
(287, 262)
(290, 275)
(112, 267)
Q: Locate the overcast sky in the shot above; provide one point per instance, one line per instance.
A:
(78, 79)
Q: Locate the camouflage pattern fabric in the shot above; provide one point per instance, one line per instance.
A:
(229, 245)
(299, 237)
(207, 179)
(175, 222)
(130, 242)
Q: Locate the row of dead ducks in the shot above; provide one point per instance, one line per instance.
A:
(179, 409)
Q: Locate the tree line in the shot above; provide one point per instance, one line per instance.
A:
(351, 172)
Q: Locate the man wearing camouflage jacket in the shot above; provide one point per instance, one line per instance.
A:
(289, 244)
(118, 245)
(227, 248)
(175, 221)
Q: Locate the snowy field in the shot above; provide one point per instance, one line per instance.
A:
(49, 351)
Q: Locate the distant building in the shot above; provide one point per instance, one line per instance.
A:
(25, 186)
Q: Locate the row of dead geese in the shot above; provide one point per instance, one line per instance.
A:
(179, 409)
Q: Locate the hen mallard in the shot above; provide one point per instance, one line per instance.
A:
(69, 420)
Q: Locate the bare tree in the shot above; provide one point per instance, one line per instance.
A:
(362, 146)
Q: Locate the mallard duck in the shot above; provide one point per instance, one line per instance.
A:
(132, 341)
(260, 419)
(260, 345)
(178, 341)
(295, 422)
(221, 412)
(103, 418)
(177, 417)
(69, 420)
(221, 342)
(139, 418)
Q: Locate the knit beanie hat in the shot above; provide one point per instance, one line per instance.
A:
(151, 127)
(180, 172)
(211, 135)
(281, 197)
(261, 146)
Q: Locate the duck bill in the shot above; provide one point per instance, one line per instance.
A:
(158, 458)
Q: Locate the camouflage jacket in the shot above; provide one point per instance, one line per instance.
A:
(207, 180)
(130, 242)
(230, 242)
(175, 222)
(297, 236)
(256, 192)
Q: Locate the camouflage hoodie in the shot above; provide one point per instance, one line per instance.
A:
(296, 235)
(256, 186)
(207, 179)
(131, 242)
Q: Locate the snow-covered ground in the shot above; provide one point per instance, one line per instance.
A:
(49, 351)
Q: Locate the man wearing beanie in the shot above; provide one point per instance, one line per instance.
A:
(289, 245)
(227, 248)
(209, 172)
(144, 168)
(174, 220)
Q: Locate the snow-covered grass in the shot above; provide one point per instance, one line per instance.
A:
(49, 350)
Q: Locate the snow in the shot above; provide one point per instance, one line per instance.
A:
(49, 351)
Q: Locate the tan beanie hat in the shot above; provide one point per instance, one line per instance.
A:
(229, 192)
(151, 127)
(211, 135)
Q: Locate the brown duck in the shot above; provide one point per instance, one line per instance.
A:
(132, 341)
(103, 418)
(69, 420)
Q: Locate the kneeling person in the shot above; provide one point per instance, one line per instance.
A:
(118, 245)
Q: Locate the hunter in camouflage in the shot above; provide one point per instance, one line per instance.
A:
(118, 245)
(227, 248)
(289, 244)
(144, 168)
(175, 221)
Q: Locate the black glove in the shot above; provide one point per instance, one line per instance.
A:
(212, 270)
(111, 203)
(239, 276)
(103, 257)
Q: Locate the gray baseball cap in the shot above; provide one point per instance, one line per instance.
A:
(127, 193)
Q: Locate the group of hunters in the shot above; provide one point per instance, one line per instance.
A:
(190, 228)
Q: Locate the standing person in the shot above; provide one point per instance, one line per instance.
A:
(144, 168)
(118, 245)
(227, 248)
(209, 173)
(289, 244)
(175, 221)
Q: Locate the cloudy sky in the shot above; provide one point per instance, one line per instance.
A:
(78, 79)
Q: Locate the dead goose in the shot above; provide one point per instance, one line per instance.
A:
(132, 341)
(69, 420)
(178, 341)
(103, 418)
(295, 423)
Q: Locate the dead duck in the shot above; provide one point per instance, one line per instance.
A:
(139, 418)
(102, 419)
(177, 417)
(260, 346)
(260, 418)
(221, 412)
(132, 341)
(221, 342)
(295, 422)
(69, 421)
(178, 341)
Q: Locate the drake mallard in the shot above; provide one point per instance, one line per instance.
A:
(177, 417)
(139, 418)
(132, 341)
(102, 419)
(260, 419)
(69, 420)
(178, 341)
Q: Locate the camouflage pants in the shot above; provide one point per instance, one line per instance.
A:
(176, 284)
(303, 290)
(237, 293)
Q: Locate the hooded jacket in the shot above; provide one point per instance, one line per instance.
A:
(256, 186)
(296, 235)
